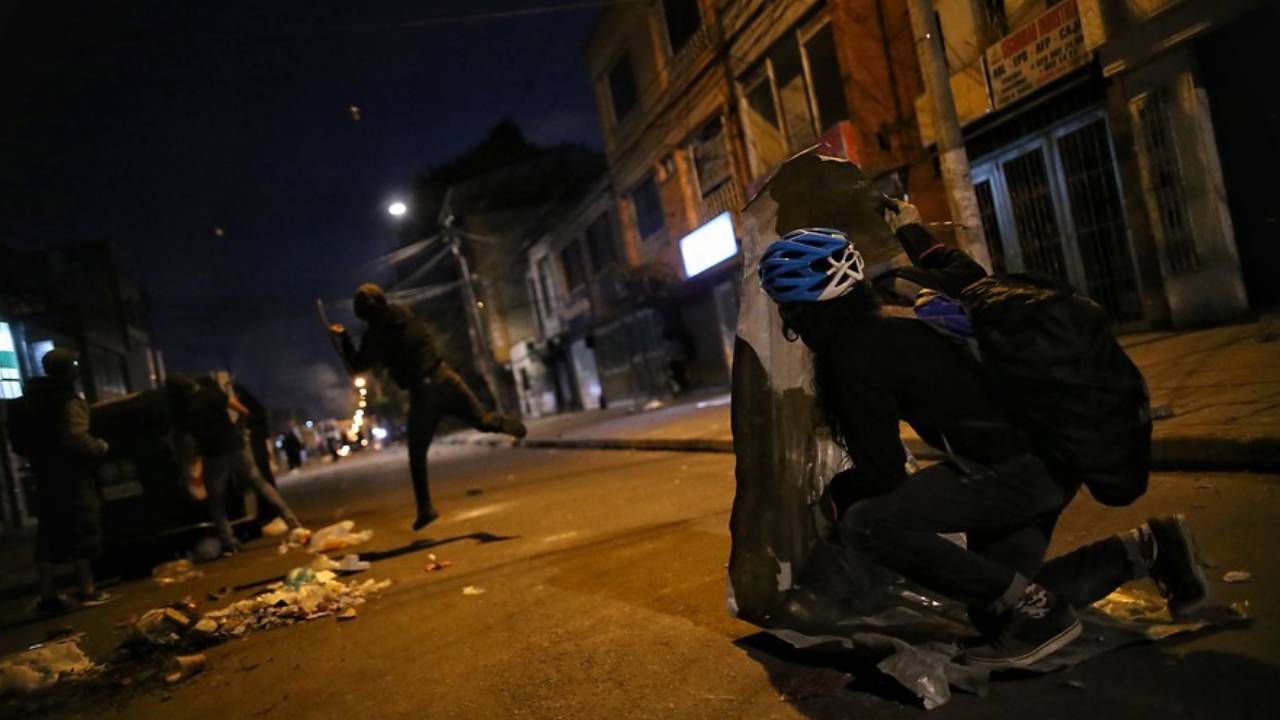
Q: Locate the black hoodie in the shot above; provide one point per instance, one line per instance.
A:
(398, 341)
(59, 425)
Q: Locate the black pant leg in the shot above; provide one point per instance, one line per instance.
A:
(461, 401)
(424, 417)
(900, 529)
(1088, 574)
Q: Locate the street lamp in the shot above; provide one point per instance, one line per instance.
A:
(397, 208)
(360, 382)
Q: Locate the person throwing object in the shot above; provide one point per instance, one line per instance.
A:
(400, 342)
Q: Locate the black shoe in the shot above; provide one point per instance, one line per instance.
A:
(95, 598)
(1038, 626)
(425, 518)
(513, 427)
(1176, 569)
(56, 605)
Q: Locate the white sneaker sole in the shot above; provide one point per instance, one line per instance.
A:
(1053, 645)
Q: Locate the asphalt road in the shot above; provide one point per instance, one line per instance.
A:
(604, 597)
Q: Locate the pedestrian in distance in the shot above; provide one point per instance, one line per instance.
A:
(63, 456)
(292, 446)
(399, 341)
(227, 457)
(873, 369)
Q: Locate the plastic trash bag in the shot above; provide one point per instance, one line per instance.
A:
(175, 571)
(337, 536)
(43, 666)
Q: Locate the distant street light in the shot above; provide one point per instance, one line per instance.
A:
(397, 208)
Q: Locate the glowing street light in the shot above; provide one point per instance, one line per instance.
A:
(360, 382)
(397, 208)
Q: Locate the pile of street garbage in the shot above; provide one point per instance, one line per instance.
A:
(305, 594)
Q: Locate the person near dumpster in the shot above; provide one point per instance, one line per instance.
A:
(399, 341)
(257, 441)
(227, 458)
(62, 455)
(873, 369)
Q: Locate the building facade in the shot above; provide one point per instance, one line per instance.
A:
(1112, 147)
(1095, 134)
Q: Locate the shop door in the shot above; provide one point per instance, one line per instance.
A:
(1051, 207)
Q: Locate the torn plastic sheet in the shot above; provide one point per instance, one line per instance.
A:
(783, 576)
(43, 666)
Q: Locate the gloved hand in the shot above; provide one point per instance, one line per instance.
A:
(898, 213)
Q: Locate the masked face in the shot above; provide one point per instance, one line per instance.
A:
(369, 302)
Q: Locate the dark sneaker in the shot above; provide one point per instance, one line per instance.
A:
(1177, 570)
(1038, 626)
(513, 427)
(425, 518)
(95, 598)
(56, 605)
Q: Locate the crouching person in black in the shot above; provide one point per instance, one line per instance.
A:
(62, 456)
(873, 370)
(399, 341)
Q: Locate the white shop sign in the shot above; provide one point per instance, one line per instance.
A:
(1036, 54)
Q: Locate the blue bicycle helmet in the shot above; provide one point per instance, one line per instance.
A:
(810, 265)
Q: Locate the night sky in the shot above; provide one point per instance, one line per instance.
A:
(150, 124)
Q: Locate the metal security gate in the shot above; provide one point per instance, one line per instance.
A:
(1051, 206)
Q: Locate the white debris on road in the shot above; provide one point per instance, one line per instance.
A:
(311, 596)
(43, 666)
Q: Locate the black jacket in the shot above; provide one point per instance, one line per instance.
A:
(206, 419)
(902, 370)
(58, 423)
(400, 342)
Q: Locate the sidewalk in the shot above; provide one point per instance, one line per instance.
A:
(1216, 394)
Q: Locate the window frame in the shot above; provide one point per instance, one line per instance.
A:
(572, 250)
(635, 210)
(694, 142)
(623, 55)
(672, 50)
(804, 34)
(763, 72)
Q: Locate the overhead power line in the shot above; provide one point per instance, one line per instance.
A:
(436, 20)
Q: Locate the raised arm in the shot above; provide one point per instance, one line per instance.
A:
(357, 359)
(952, 269)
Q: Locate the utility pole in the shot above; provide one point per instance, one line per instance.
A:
(961, 198)
(475, 324)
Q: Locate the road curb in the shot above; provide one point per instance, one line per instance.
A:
(1168, 453)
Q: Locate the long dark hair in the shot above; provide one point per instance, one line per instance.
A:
(830, 330)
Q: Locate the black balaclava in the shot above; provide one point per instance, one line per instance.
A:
(369, 302)
(60, 363)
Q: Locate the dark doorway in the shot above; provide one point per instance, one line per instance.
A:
(1246, 120)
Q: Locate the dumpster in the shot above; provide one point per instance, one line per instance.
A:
(148, 508)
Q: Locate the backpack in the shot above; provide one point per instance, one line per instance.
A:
(1057, 369)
